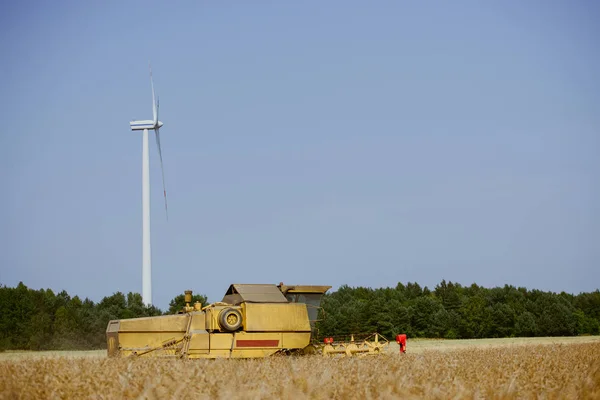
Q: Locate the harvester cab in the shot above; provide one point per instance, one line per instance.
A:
(309, 295)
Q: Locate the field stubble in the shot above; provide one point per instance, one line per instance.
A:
(552, 371)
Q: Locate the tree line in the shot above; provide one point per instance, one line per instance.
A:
(42, 320)
(453, 311)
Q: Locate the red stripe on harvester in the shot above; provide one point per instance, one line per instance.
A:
(257, 343)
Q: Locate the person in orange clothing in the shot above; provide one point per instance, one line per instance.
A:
(401, 340)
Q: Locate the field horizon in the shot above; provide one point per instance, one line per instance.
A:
(416, 345)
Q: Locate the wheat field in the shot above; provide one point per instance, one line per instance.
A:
(569, 370)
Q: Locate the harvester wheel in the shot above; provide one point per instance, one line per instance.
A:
(230, 319)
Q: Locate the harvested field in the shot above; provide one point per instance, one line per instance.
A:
(567, 370)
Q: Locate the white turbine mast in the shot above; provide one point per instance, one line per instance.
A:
(146, 125)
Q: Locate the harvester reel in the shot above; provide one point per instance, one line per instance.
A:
(371, 345)
(230, 319)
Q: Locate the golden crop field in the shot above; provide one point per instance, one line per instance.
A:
(563, 369)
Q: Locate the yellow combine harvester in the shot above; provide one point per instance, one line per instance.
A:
(251, 321)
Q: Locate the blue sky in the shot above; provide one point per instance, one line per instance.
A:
(336, 142)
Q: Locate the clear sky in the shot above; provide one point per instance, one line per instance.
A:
(338, 142)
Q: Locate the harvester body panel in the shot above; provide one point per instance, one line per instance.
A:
(275, 317)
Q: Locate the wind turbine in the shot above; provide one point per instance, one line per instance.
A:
(146, 125)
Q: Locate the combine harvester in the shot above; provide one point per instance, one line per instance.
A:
(251, 321)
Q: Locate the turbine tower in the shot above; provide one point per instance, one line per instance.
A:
(145, 126)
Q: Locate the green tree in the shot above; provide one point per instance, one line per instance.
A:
(586, 325)
(475, 316)
(503, 320)
(525, 325)
(440, 323)
(423, 310)
(557, 320)
(449, 295)
(400, 318)
(40, 335)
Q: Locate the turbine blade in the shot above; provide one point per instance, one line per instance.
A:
(154, 113)
(161, 169)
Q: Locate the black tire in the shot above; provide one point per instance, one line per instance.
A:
(230, 319)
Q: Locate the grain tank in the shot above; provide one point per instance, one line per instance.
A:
(252, 320)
